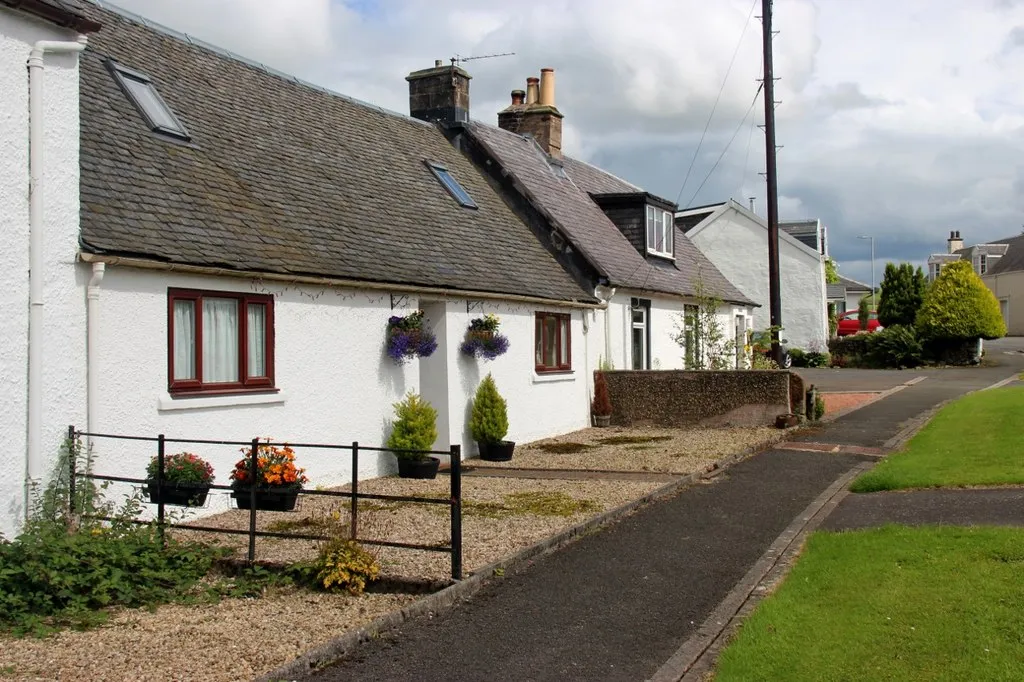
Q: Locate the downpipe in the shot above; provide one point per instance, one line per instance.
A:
(92, 343)
(33, 456)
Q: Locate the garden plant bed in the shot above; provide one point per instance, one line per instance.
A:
(661, 450)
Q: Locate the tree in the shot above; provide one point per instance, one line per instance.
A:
(864, 311)
(831, 271)
(902, 294)
(700, 332)
(959, 307)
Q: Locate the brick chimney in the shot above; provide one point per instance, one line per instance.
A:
(537, 116)
(439, 94)
(954, 243)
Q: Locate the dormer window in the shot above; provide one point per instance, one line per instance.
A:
(141, 91)
(660, 228)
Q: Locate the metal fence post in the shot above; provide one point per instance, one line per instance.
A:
(456, 510)
(355, 490)
(253, 472)
(72, 456)
(160, 445)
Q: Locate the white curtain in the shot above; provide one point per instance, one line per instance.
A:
(184, 340)
(257, 340)
(220, 340)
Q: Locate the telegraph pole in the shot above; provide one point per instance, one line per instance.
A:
(774, 289)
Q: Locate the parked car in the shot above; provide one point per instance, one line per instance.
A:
(761, 343)
(849, 323)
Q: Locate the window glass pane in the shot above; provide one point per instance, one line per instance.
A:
(550, 342)
(638, 348)
(538, 342)
(147, 99)
(220, 340)
(184, 340)
(453, 186)
(639, 315)
(651, 229)
(563, 346)
(257, 332)
(669, 229)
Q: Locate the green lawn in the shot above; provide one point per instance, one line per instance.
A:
(893, 603)
(977, 440)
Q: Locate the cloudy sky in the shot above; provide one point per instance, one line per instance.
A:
(899, 119)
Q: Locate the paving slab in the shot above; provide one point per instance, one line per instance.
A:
(956, 507)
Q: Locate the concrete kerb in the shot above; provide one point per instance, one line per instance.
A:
(439, 602)
(697, 654)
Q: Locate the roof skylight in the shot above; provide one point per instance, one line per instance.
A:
(452, 185)
(141, 91)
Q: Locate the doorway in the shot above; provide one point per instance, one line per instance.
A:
(640, 309)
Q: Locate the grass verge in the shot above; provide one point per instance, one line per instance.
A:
(973, 441)
(892, 603)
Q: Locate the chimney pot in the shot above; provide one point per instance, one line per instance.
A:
(547, 87)
(518, 96)
(532, 90)
(437, 62)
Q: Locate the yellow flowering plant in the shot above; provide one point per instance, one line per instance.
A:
(275, 467)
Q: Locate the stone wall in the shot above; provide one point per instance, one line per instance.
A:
(700, 398)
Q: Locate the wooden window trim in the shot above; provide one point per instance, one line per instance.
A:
(246, 384)
(562, 365)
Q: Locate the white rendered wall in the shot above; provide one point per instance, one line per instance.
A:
(738, 246)
(64, 299)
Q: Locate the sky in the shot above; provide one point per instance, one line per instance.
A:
(899, 120)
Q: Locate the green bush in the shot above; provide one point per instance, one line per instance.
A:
(816, 359)
(896, 347)
(903, 290)
(959, 307)
(798, 357)
(849, 351)
(343, 565)
(415, 428)
(489, 419)
(819, 408)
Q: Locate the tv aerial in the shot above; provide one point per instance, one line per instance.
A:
(457, 58)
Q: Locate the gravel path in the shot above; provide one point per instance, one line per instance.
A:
(676, 451)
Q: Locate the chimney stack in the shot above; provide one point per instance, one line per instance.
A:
(954, 243)
(753, 205)
(538, 116)
(439, 94)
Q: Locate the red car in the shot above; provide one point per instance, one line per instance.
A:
(850, 324)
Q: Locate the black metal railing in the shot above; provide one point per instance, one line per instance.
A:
(454, 500)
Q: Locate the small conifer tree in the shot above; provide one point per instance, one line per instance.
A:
(864, 312)
(602, 403)
(902, 295)
(415, 428)
(489, 418)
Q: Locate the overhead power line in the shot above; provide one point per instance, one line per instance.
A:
(739, 43)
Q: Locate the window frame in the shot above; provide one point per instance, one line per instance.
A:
(562, 365)
(644, 306)
(651, 213)
(245, 384)
(122, 73)
(452, 185)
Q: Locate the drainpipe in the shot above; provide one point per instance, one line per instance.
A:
(34, 460)
(92, 343)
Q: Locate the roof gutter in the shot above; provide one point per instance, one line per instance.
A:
(146, 264)
(37, 241)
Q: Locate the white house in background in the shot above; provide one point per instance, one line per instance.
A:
(848, 293)
(736, 241)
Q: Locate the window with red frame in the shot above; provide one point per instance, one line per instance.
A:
(553, 342)
(219, 341)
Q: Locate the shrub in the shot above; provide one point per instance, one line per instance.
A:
(896, 346)
(819, 408)
(601, 405)
(959, 307)
(849, 351)
(902, 294)
(833, 320)
(275, 467)
(798, 357)
(815, 359)
(414, 430)
(489, 418)
(345, 565)
(864, 312)
(183, 467)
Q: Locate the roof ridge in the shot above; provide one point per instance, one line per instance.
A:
(224, 52)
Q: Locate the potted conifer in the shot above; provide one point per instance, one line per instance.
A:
(601, 405)
(412, 433)
(489, 422)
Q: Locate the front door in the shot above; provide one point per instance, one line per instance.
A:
(640, 333)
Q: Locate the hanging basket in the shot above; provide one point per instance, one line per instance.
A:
(407, 339)
(483, 339)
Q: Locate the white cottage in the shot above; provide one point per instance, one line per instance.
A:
(736, 241)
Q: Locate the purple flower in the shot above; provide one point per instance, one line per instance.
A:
(403, 345)
(487, 347)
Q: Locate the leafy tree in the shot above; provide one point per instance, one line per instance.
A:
(701, 334)
(959, 307)
(903, 290)
(488, 421)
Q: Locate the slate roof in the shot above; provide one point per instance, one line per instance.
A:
(569, 207)
(835, 291)
(66, 13)
(853, 285)
(281, 176)
(1013, 260)
(593, 180)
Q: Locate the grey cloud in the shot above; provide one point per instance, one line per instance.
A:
(845, 96)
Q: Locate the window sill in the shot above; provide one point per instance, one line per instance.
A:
(553, 377)
(167, 403)
(662, 256)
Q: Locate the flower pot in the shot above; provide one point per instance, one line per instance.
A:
(268, 499)
(602, 419)
(411, 468)
(180, 494)
(496, 452)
